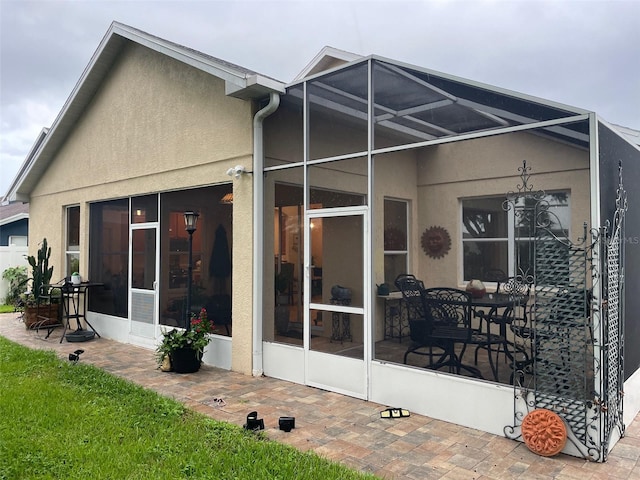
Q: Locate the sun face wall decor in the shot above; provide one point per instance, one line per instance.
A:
(436, 242)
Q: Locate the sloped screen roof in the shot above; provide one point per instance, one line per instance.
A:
(412, 105)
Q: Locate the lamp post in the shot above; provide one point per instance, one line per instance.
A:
(190, 221)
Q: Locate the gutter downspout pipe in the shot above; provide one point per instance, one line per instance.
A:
(258, 227)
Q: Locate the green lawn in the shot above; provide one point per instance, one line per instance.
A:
(6, 308)
(65, 421)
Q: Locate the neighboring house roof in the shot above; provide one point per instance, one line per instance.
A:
(239, 82)
(629, 133)
(25, 168)
(13, 212)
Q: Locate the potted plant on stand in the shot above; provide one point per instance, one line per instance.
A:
(181, 350)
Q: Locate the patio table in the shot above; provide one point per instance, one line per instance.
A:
(74, 306)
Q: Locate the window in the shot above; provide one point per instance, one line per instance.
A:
(396, 254)
(489, 234)
(73, 240)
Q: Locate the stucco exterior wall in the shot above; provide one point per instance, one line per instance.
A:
(489, 166)
(154, 125)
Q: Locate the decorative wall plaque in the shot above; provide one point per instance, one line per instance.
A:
(436, 242)
(544, 432)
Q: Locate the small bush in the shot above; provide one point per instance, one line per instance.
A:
(17, 278)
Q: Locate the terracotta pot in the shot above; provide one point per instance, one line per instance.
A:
(476, 288)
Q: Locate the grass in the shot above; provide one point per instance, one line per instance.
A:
(66, 421)
(7, 308)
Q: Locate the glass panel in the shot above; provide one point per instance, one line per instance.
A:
(484, 218)
(557, 218)
(284, 129)
(338, 113)
(143, 263)
(395, 225)
(73, 240)
(338, 184)
(73, 228)
(144, 209)
(394, 265)
(211, 256)
(73, 263)
(395, 240)
(109, 257)
(481, 257)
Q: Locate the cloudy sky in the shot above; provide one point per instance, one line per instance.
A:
(583, 53)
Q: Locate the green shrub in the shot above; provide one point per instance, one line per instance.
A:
(17, 277)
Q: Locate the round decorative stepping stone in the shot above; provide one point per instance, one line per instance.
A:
(544, 432)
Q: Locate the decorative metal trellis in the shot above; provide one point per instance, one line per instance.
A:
(568, 349)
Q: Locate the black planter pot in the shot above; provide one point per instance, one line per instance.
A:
(185, 360)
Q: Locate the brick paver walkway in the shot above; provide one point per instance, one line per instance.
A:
(342, 428)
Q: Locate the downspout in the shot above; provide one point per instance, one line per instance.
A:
(258, 227)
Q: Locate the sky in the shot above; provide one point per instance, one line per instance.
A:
(582, 53)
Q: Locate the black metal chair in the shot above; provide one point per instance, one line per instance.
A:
(450, 311)
(419, 328)
(514, 316)
(441, 318)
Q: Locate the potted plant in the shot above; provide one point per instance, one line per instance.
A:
(181, 350)
(38, 305)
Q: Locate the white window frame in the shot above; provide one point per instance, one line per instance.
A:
(407, 251)
(510, 239)
(71, 249)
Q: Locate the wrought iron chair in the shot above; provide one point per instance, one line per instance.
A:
(419, 328)
(516, 317)
(450, 311)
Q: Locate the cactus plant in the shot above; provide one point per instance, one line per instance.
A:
(41, 272)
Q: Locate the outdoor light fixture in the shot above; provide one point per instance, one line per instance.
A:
(286, 424)
(236, 171)
(190, 221)
(253, 422)
(75, 356)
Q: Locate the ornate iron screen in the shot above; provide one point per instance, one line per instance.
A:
(568, 344)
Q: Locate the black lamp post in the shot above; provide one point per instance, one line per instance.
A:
(190, 220)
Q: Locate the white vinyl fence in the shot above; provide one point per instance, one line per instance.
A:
(12, 256)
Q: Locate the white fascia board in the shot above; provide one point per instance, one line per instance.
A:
(12, 194)
(486, 86)
(14, 218)
(326, 52)
(330, 70)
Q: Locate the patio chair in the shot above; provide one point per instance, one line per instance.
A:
(449, 310)
(419, 329)
(514, 316)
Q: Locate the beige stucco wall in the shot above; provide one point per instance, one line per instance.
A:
(154, 125)
(489, 166)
